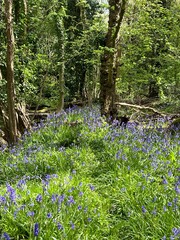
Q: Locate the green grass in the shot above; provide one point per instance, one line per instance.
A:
(89, 180)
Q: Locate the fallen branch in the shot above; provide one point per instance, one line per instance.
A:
(141, 108)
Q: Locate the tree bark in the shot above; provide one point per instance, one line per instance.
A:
(13, 133)
(108, 61)
(61, 40)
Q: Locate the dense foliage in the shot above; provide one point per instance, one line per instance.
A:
(76, 177)
(149, 50)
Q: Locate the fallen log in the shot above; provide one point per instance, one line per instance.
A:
(141, 108)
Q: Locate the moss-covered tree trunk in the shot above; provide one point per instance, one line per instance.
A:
(108, 60)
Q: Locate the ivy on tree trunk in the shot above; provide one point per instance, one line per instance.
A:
(108, 60)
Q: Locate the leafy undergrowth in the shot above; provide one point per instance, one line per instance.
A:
(76, 177)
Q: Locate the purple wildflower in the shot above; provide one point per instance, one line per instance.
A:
(45, 184)
(79, 207)
(70, 200)
(165, 208)
(6, 236)
(36, 229)
(12, 193)
(144, 209)
(164, 181)
(154, 212)
(176, 231)
(39, 198)
(54, 197)
(154, 199)
(172, 238)
(61, 198)
(170, 174)
(164, 238)
(59, 226)
(49, 215)
(80, 194)
(30, 214)
(89, 219)
(91, 187)
(74, 171)
(2, 200)
(21, 183)
(170, 204)
(72, 225)
(177, 189)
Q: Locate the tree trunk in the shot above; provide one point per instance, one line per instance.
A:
(61, 86)
(13, 133)
(108, 61)
(83, 72)
(61, 40)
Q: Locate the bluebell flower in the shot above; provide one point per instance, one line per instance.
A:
(165, 208)
(172, 238)
(176, 231)
(154, 199)
(74, 171)
(59, 226)
(12, 193)
(2, 200)
(170, 174)
(61, 198)
(30, 214)
(91, 187)
(39, 198)
(79, 207)
(22, 207)
(21, 183)
(54, 197)
(164, 181)
(89, 219)
(154, 212)
(144, 209)
(72, 225)
(49, 215)
(170, 204)
(26, 159)
(80, 193)
(177, 189)
(70, 200)
(6, 236)
(143, 187)
(70, 177)
(36, 229)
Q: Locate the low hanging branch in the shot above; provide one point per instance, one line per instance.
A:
(141, 108)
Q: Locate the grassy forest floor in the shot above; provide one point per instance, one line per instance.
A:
(76, 177)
